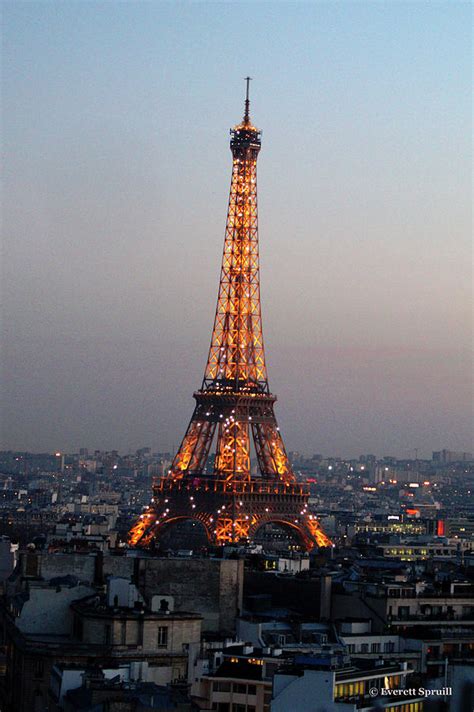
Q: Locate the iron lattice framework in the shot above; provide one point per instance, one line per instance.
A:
(234, 404)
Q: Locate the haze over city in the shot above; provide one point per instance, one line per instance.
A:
(115, 123)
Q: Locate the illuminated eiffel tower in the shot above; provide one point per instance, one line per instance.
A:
(234, 404)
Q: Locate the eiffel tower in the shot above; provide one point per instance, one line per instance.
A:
(234, 405)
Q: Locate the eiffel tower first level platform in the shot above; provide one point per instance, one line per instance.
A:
(211, 480)
(230, 514)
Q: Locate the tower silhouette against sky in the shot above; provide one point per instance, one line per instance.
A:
(210, 479)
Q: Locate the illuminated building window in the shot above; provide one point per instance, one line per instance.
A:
(349, 689)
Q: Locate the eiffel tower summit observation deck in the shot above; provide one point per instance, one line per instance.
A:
(234, 407)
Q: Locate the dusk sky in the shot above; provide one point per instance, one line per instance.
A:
(116, 120)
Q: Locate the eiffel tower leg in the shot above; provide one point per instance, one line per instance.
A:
(194, 450)
(309, 535)
(142, 531)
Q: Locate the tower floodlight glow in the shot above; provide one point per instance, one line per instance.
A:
(234, 405)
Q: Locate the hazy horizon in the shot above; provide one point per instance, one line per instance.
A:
(116, 175)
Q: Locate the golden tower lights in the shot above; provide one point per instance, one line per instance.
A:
(234, 404)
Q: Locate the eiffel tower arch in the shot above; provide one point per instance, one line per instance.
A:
(234, 406)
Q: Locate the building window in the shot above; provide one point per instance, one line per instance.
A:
(389, 647)
(38, 701)
(392, 683)
(252, 690)
(107, 634)
(78, 627)
(238, 708)
(364, 648)
(219, 686)
(162, 636)
(239, 688)
(349, 689)
(123, 633)
(407, 707)
(38, 670)
(375, 648)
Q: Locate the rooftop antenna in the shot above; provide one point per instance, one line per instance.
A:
(247, 101)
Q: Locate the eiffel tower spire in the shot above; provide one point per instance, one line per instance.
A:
(247, 101)
(234, 406)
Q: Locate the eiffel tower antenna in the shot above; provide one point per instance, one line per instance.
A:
(247, 101)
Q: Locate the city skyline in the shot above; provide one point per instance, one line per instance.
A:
(115, 197)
